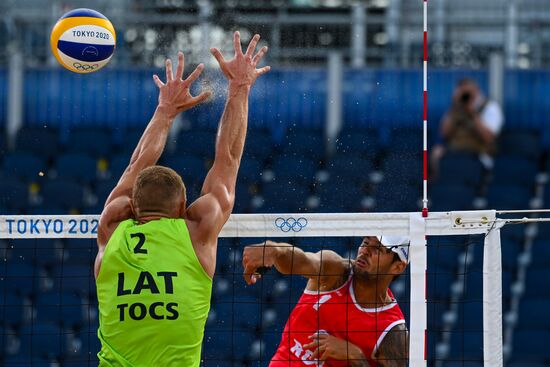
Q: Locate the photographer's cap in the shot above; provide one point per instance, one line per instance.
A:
(398, 244)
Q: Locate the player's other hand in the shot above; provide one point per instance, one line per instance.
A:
(254, 258)
(175, 96)
(241, 70)
(326, 346)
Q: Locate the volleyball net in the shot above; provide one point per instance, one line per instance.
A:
(451, 294)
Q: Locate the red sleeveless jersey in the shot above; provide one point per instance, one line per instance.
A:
(336, 313)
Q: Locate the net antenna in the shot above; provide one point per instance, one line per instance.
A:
(425, 109)
(413, 225)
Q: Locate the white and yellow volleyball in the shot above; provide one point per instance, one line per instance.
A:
(83, 40)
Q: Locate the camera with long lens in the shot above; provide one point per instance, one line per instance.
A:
(465, 98)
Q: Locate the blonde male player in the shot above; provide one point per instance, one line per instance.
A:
(156, 256)
(347, 315)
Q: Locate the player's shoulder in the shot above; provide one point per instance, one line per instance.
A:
(332, 261)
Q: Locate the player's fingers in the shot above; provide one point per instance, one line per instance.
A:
(237, 43)
(218, 55)
(252, 45)
(194, 75)
(248, 274)
(263, 70)
(157, 81)
(256, 59)
(169, 75)
(179, 69)
(315, 355)
(201, 98)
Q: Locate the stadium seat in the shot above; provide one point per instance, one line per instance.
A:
(66, 194)
(337, 196)
(531, 345)
(13, 308)
(536, 283)
(364, 142)
(397, 196)
(26, 360)
(200, 143)
(457, 168)
(258, 145)
(78, 167)
(405, 140)
(540, 253)
(129, 141)
(528, 308)
(25, 166)
(43, 142)
(508, 197)
(304, 142)
(451, 197)
(93, 142)
(467, 345)
(41, 340)
(295, 166)
(402, 168)
(61, 308)
(349, 167)
(14, 194)
(515, 171)
(285, 196)
(189, 167)
(520, 143)
(250, 170)
(117, 164)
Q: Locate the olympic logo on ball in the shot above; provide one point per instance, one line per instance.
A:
(83, 67)
(291, 224)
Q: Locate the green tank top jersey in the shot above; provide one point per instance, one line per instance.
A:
(154, 296)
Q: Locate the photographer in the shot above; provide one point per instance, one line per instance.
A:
(472, 124)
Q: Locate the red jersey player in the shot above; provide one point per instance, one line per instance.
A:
(347, 315)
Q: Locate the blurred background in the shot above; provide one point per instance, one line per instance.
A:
(336, 126)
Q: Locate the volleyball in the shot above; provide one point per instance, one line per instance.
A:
(83, 40)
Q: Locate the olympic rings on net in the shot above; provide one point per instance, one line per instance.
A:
(84, 67)
(291, 224)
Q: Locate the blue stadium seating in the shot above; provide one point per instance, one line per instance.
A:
(304, 142)
(196, 142)
(14, 194)
(403, 168)
(77, 167)
(41, 141)
(532, 345)
(95, 142)
(350, 168)
(529, 308)
(364, 142)
(406, 140)
(24, 166)
(295, 166)
(457, 168)
(189, 167)
(66, 194)
(451, 197)
(508, 197)
(41, 339)
(515, 171)
(258, 145)
(522, 143)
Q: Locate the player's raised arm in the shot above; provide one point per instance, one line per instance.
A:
(321, 267)
(214, 206)
(174, 98)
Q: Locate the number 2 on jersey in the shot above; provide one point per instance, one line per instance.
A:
(138, 249)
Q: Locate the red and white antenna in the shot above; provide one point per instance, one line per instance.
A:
(425, 123)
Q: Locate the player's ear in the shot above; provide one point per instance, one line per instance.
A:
(133, 208)
(398, 267)
(182, 207)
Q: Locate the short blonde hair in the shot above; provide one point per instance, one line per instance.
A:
(157, 188)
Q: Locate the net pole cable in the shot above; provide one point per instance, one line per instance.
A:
(413, 225)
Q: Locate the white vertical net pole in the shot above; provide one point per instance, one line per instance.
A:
(418, 307)
(492, 299)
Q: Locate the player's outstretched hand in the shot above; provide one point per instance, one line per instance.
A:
(174, 95)
(241, 70)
